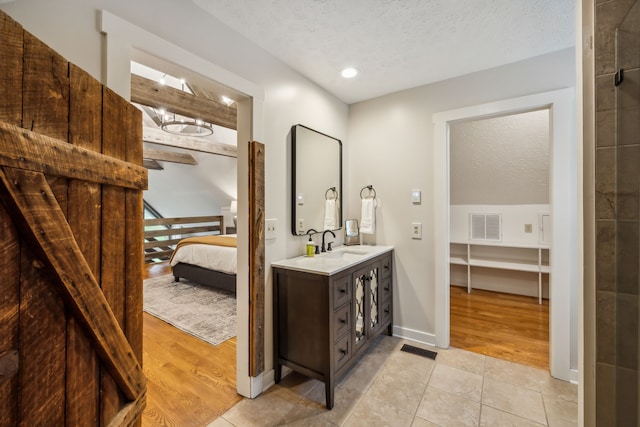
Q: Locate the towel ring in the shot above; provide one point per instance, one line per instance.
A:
(371, 190)
(334, 193)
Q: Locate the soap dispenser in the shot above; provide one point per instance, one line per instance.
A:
(311, 247)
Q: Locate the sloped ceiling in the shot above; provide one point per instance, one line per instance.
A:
(397, 44)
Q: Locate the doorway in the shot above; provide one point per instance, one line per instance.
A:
(123, 41)
(563, 185)
(499, 270)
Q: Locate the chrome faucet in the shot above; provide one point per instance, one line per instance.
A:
(323, 234)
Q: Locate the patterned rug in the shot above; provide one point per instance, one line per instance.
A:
(202, 311)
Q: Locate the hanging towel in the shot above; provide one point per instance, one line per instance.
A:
(330, 214)
(368, 216)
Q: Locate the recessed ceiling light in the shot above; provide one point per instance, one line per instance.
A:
(349, 72)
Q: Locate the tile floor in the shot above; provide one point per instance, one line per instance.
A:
(388, 387)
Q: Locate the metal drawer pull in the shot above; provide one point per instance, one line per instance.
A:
(344, 351)
(343, 291)
(343, 321)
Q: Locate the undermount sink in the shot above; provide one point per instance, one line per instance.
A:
(343, 254)
(328, 263)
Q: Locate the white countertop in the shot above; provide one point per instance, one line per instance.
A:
(328, 263)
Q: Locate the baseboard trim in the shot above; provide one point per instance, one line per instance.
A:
(414, 335)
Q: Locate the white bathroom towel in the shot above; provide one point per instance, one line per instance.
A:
(330, 214)
(368, 216)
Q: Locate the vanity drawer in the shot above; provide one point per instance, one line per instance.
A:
(341, 290)
(385, 267)
(385, 311)
(342, 351)
(342, 321)
(385, 288)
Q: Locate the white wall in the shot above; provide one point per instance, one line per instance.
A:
(514, 218)
(391, 147)
(500, 160)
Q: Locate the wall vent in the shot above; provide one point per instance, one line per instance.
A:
(486, 226)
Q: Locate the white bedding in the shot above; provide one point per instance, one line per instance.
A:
(219, 258)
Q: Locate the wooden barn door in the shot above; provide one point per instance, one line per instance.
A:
(70, 243)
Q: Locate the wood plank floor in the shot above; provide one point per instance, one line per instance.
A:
(190, 382)
(505, 326)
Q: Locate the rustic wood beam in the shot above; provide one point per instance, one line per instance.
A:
(30, 198)
(153, 94)
(131, 413)
(256, 258)
(152, 164)
(23, 149)
(157, 136)
(169, 156)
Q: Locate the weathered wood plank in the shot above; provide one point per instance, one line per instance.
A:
(114, 128)
(11, 35)
(131, 413)
(32, 203)
(134, 231)
(23, 149)
(42, 344)
(183, 231)
(45, 90)
(183, 220)
(153, 94)
(11, 41)
(152, 164)
(256, 258)
(43, 322)
(84, 217)
(157, 136)
(9, 310)
(169, 156)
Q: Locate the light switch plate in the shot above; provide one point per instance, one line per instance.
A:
(416, 230)
(270, 229)
(416, 197)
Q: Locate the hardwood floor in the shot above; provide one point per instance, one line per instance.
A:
(505, 326)
(190, 382)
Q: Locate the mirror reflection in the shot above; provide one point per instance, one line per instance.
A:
(316, 181)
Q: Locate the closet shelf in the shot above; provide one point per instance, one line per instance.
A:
(530, 258)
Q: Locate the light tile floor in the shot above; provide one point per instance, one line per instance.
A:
(388, 387)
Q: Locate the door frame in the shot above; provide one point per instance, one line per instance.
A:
(565, 213)
(123, 40)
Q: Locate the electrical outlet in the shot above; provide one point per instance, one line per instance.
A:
(528, 228)
(416, 230)
(270, 228)
(300, 223)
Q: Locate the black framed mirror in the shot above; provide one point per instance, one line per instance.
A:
(316, 178)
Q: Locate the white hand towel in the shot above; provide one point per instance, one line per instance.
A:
(368, 216)
(330, 214)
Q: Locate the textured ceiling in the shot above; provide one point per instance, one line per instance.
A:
(501, 160)
(397, 44)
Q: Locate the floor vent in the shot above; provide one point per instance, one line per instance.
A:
(419, 351)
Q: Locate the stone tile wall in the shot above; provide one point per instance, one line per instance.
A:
(617, 45)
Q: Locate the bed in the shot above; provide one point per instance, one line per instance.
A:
(208, 260)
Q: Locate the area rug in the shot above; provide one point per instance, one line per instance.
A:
(202, 311)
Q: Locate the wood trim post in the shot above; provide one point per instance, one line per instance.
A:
(256, 258)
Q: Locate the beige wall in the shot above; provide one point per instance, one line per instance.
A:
(390, 146)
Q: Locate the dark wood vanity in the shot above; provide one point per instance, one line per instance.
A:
(324, 320)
